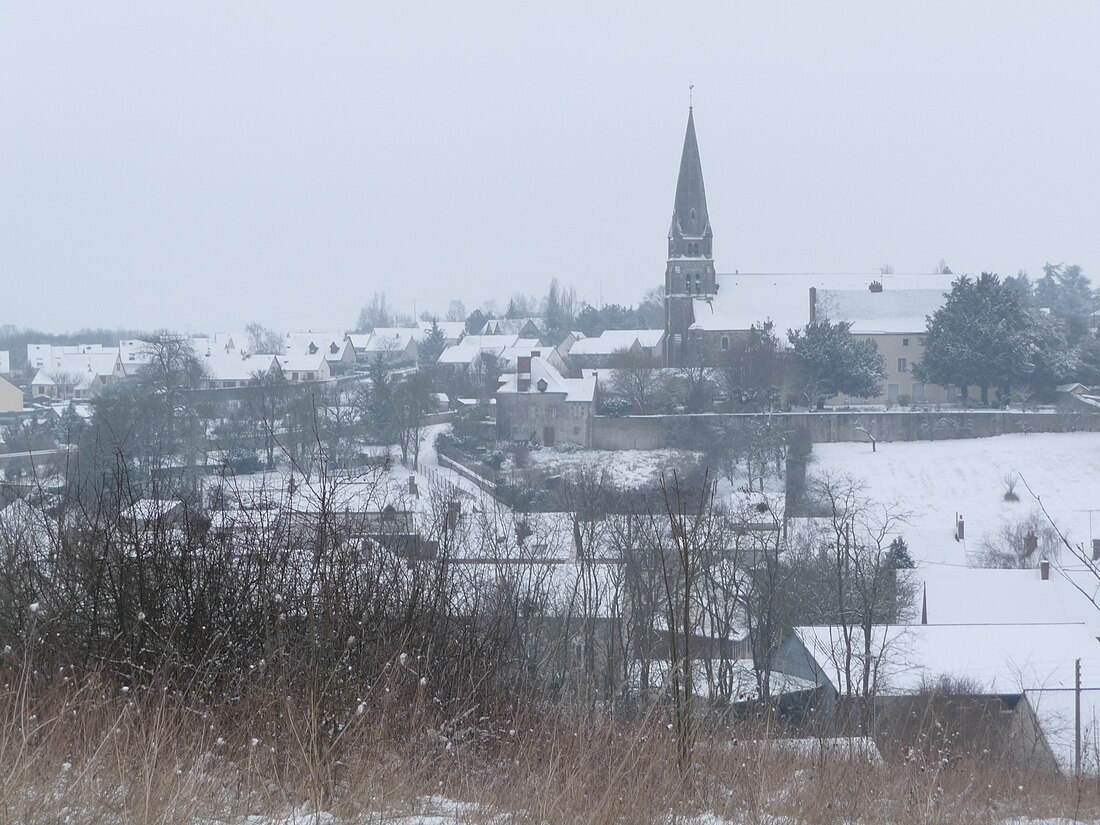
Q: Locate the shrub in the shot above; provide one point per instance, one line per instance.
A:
(615, 407)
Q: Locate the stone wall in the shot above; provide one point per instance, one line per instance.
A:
(650, 432)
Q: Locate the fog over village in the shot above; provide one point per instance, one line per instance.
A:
(607, 414)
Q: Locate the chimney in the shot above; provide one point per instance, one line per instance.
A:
(1096, 549)
(453, 511)
(960, 527)
(1044, 570)
(523, 373)
(536, 353)
(813, 304)
(412, 487)
(876, 286)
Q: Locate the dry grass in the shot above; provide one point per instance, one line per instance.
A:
(80, 749)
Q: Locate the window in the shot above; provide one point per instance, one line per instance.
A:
(725, 342)
(893, 392)
(294, 376)
(905, 342)
(918, 393)
(903, 365)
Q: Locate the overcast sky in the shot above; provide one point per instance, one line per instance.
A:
(201, 165)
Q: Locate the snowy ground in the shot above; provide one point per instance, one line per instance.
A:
(626, 468)
(935, 480)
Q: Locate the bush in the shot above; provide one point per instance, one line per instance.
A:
(615, 407)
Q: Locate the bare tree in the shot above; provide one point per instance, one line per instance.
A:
(262, 339)
(636, 376)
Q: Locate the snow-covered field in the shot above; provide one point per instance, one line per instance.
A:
(625, 468)
(935, 480)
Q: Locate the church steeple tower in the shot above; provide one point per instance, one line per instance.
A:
(690, 271)
(690, 234)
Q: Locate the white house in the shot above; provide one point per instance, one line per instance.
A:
(396, 345)
(302, 368)
(78, 375)
(335, 346)
(232, 369)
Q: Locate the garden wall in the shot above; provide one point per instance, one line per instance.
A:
(650, 432)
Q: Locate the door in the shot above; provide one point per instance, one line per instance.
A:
(547, 436)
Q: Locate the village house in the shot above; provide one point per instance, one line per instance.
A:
(1012, 682)
(77, 375)
(301, 368)
(477, 352)
(394, 345)
(338, 351)
(598, 352)
(229, 370)
(892, 311)
(537, 405)
(134, 354)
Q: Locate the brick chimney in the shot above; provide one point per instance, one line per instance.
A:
(876, 286)
(523, 373)
(1044, 570)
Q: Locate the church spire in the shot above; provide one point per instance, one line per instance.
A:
(690, 233)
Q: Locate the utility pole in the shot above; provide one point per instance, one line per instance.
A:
(1077, 719)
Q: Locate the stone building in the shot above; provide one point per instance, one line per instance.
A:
(537, 404)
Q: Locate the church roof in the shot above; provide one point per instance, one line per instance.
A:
(690, 216)
(744, 299)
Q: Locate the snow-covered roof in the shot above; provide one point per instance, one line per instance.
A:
(971, 595)
(505, 326)
(330, 344)
(231, 366)
(450, 329)
(134, 351)
(472, 346)
(615, 340)
(302, 363)
(888, 311)
(1035, 659)
(82, 367)
(574, 389)
(392, 339)
(935, 480)
(745, 299)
